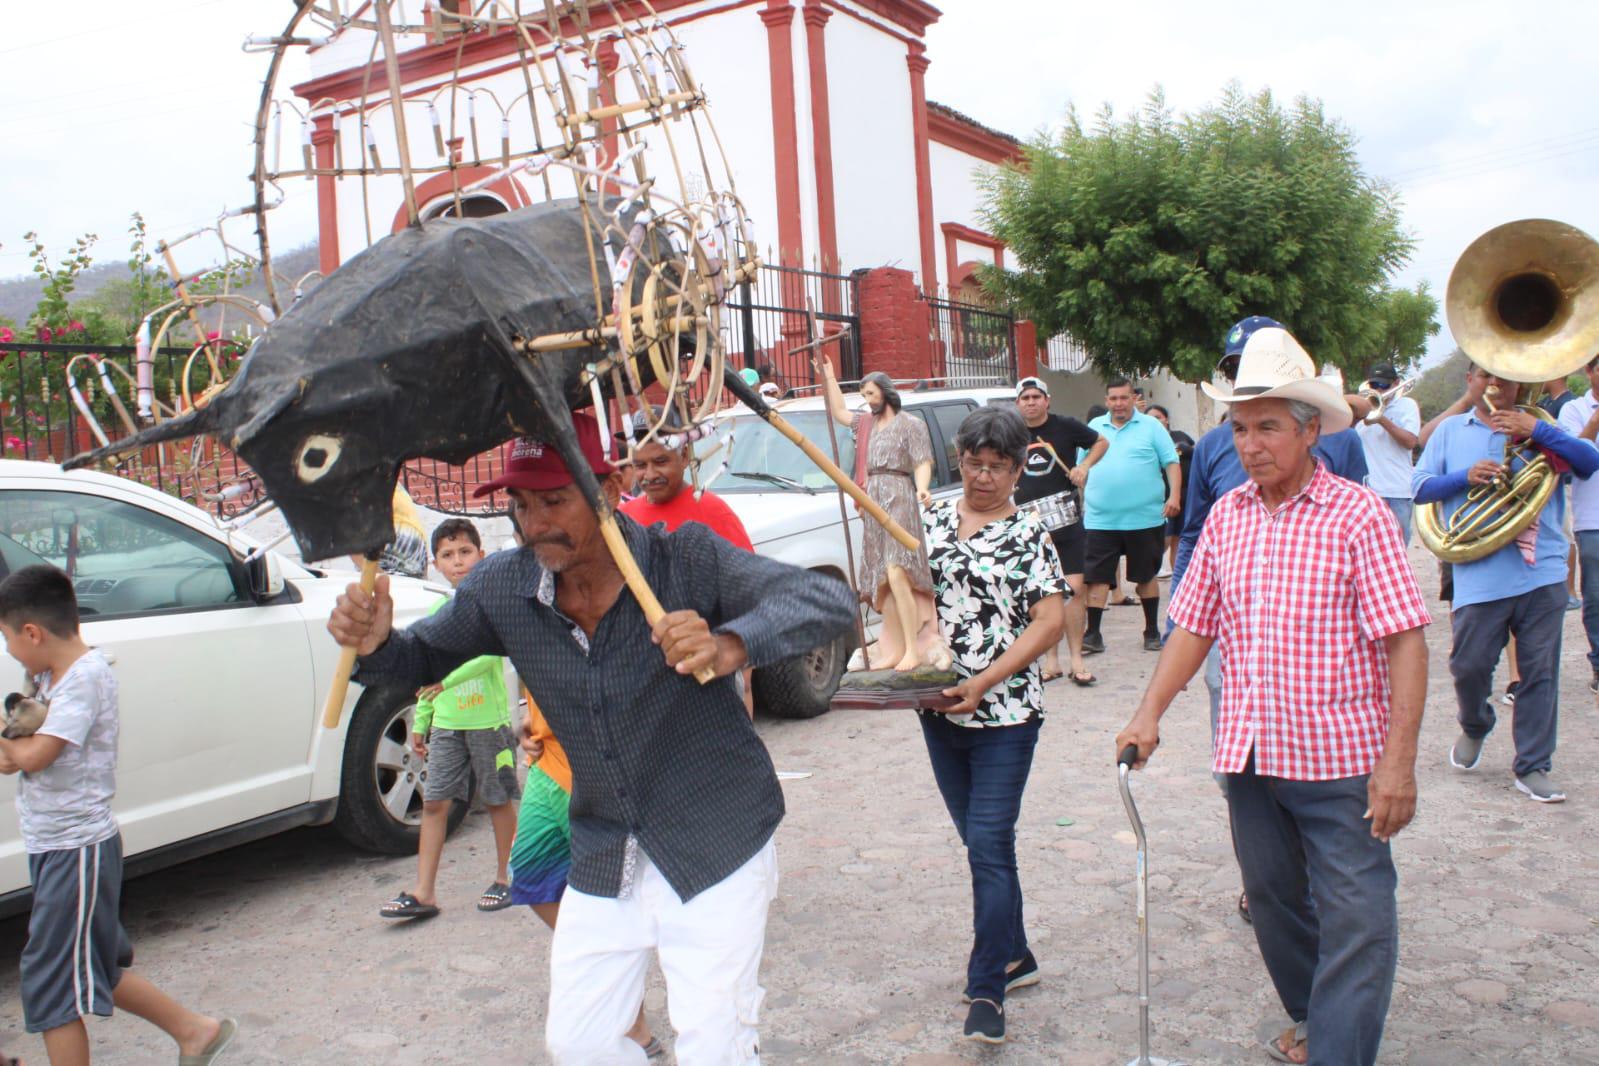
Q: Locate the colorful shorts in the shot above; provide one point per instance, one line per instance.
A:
(541, 854)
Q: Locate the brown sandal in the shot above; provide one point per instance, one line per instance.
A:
(1278, 1048)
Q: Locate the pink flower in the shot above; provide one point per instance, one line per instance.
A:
(74, 327)
(14, 444)
(45, 334)
(6, 335)
(213, 335)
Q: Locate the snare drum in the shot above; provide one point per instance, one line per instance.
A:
(1057, 511)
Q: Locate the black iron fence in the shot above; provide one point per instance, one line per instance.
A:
(58, 400)
(785, 308)
(972, 344)
(764, 321)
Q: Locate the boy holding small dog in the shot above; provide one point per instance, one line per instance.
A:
(77, 956)
(463, 729)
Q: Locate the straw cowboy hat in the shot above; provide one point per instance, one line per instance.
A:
(1274, 366)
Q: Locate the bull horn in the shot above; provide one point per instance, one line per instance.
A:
(191, 423)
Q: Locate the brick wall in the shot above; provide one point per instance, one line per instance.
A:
(896, 324)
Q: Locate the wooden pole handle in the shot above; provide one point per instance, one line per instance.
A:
(845, 482)
(640, 588)
(333, 709)
(752, 399)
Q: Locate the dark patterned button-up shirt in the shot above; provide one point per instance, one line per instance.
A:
(656, 757)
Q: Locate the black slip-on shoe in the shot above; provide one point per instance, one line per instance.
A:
(985, 1022)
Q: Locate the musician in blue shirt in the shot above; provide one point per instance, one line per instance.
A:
(1519, 589)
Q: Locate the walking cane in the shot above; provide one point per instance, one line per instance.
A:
(1124, 765)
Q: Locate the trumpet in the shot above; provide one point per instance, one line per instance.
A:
(1380, 400)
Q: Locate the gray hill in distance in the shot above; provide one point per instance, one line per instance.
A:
(19, 295)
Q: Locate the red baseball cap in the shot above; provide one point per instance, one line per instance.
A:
(536, 465)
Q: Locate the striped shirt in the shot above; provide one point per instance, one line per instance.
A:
(658, 761)
(1300, 600)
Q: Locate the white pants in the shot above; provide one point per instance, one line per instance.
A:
(710, 953)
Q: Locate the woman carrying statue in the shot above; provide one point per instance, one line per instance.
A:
(894, 464)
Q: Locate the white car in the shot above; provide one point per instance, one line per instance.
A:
(791, 512)
(222, 662)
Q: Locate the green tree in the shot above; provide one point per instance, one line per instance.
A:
(1146, 237)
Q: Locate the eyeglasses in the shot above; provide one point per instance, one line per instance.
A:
(974, 469)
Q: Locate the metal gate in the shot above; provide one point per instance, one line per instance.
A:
(972, 344)
(766, 319)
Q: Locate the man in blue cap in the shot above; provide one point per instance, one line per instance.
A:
(1216, 470)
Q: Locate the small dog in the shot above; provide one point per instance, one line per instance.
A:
(24, 713)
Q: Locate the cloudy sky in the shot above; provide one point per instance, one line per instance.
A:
(1478, 112)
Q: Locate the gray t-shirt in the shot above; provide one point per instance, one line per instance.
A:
(68, 803)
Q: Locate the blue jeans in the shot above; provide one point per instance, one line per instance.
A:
(1588, 560)
(1402, 507)
(1321, 893)
(981, 774)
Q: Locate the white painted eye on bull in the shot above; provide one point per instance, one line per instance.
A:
(318, 454)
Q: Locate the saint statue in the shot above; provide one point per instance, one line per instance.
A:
(894, 464)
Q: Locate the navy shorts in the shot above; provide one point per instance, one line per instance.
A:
(77, 948)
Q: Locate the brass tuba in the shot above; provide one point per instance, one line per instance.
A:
(1523, 304)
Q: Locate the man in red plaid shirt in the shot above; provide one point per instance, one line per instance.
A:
(1303, 579)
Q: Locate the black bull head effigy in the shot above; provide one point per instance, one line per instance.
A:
(409, 350)
(415, 349)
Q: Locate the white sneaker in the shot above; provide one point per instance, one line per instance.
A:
(1165, 570)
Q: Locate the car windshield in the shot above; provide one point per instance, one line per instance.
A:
(763, 460)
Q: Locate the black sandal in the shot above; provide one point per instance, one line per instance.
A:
(406, 905)
(1243, 908)
(496, 897)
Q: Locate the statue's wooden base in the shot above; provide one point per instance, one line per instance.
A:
(915, 690)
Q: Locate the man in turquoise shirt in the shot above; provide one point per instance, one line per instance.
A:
(1519, 590)
(1130, 494)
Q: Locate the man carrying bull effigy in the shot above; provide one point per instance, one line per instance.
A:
(674, 798)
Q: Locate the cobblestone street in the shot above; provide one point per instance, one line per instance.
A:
(867, 941)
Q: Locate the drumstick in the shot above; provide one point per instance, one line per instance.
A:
(1050, 448)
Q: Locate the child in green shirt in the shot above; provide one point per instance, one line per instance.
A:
(462, 728)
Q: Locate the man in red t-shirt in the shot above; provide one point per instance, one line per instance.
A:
(665, 497)
(660, 466)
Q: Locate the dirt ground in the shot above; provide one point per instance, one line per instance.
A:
(866, 945)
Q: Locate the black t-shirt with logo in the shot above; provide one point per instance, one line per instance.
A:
(1042, 475)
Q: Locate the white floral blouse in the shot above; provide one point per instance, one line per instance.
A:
(984, 587)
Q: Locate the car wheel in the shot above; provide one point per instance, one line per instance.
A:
(380, 790)
(803, 687)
